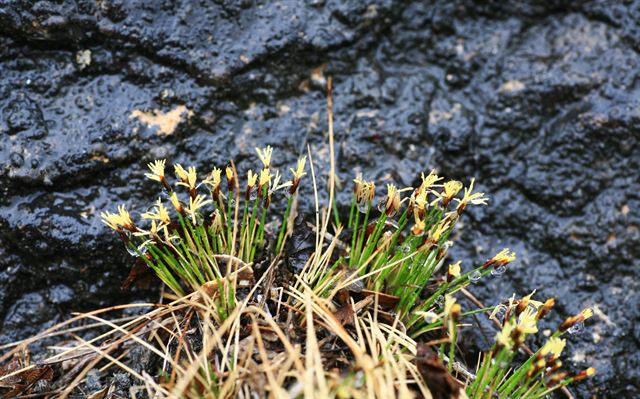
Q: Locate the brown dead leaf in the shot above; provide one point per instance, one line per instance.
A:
(22, 382)
(385, 301)
(441, 384)
(104, 393)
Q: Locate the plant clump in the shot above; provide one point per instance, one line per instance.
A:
(355, 306)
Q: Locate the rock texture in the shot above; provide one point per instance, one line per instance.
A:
(540, 101)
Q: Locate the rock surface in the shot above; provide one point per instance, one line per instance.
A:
(540, 101)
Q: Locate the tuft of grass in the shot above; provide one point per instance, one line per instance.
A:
(371, 311)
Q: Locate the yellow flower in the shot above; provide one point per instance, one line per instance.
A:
(584, 374)
(175, 202)
(299, 171)
(111, 219)
(449, 301)
(121, 219)
(180, 172)
(418, 227)
(265, 155)
(454, 269)
(276, 183)
(421, 200)
(554, 346)
(440, 229)
(251, 179)
(451, 188)
(161, 214)
(195, 204)
(501, 258)
(126, 218)
(367, 192)
(429, 180)
(577, 319)
(503, 338)
(587, 313)
(152, 232)
(229, 173)
(157, 170)
(546, 308)
(214, 179)
(392, 204)
(191, 178)
(527, 322)
(265, 178)
(470, 197)
(526, 300)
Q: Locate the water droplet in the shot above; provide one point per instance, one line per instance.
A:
(406, 248)
(382, 206)
(498, 270)
(430, 317)
(132, 252)
(475, 276)
(440, 301)
(176, 241)
(576, 329)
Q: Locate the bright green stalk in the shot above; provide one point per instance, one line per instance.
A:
(360, 242)
(353, 207)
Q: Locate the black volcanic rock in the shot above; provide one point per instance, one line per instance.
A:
(540, 101)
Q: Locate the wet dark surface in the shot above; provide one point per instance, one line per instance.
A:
(540, 101)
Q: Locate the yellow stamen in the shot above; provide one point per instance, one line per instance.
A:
(454, 269)
(161, 214)
(175, 202)
(190, 178)
(157, 170)
(392, 204)
(451, 188)
(265, 177)
(554, 346)
(214, 179)
(470, 197)
(265, 155)
(180, 172)
(429, 180)
(251, 178)
(527, 322)
(299, 171)
(195, 204)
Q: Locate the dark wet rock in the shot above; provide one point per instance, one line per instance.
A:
(538, 100)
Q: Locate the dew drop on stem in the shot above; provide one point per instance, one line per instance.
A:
(576, 329)
(475, 276)
(498, 270)
(430, 317)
